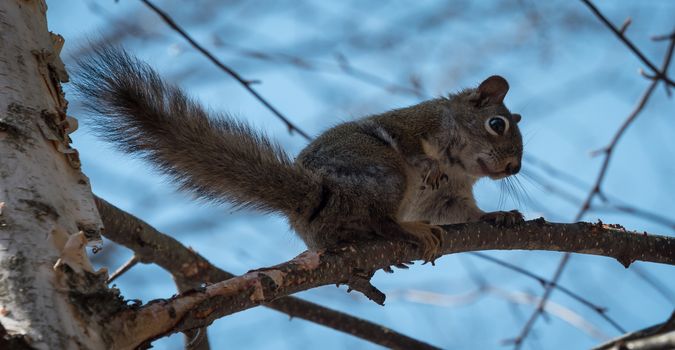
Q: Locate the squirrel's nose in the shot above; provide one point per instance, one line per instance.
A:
(512, 168)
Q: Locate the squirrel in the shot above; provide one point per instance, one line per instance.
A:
(393, 176)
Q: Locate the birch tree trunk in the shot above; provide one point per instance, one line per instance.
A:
(47, 213)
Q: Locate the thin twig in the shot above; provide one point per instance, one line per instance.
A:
(245, 83)
(518, 341)
(664, 37)
(326, 67)
(609, 149)
(596, 189)
(655, 218)
(668, 59)
(610, 203)
(512, 297)
(122, 269)
(662, 289)
(659, 75)
(602, 311)
(584, 208)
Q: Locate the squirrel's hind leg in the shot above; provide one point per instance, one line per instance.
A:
(427, 237)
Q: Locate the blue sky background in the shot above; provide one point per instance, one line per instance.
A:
(571, 79)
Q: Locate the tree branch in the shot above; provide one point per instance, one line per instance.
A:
(189, 269)
(313, 269)
(123, 269)
(610, 203)
(658, 74)
(602, 311)
(245, 83)
(660, 336)
(541, 305)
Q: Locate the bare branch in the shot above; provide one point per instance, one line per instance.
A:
(122, 269)
(625, 25)
(596, 189)
(659, 75)
(518, 341)
(654, 282)
(585, 207)
(664, 37)
(610, 203)
(245, 83)
(312, 269)
(512, 297)
(190, 270)
(552, 308)
(323, 67)
(544, 282)
(660, 336)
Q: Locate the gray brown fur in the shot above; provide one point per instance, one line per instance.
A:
(359, 180)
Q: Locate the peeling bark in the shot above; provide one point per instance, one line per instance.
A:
(45, 201)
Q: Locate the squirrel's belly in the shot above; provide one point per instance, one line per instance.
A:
(446, 204)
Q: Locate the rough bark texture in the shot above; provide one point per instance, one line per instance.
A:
(190, 270)
(657, 337)
(47, 213)
(353, 265)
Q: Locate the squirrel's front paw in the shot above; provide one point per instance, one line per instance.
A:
(503, 218)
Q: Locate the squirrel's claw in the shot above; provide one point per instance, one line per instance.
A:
(403, 266)
(434, 177)
(430, 238)
(432, 173)
(503, 218)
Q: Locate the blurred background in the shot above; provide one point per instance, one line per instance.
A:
(324, 62)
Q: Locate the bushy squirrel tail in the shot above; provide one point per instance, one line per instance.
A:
(216, 157)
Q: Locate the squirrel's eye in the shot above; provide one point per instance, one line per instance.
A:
(497, 125)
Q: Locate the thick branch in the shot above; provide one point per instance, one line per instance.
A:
(313, 269)
(188, 268)
(660, 336)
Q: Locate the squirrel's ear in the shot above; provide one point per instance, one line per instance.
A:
(492, 90)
